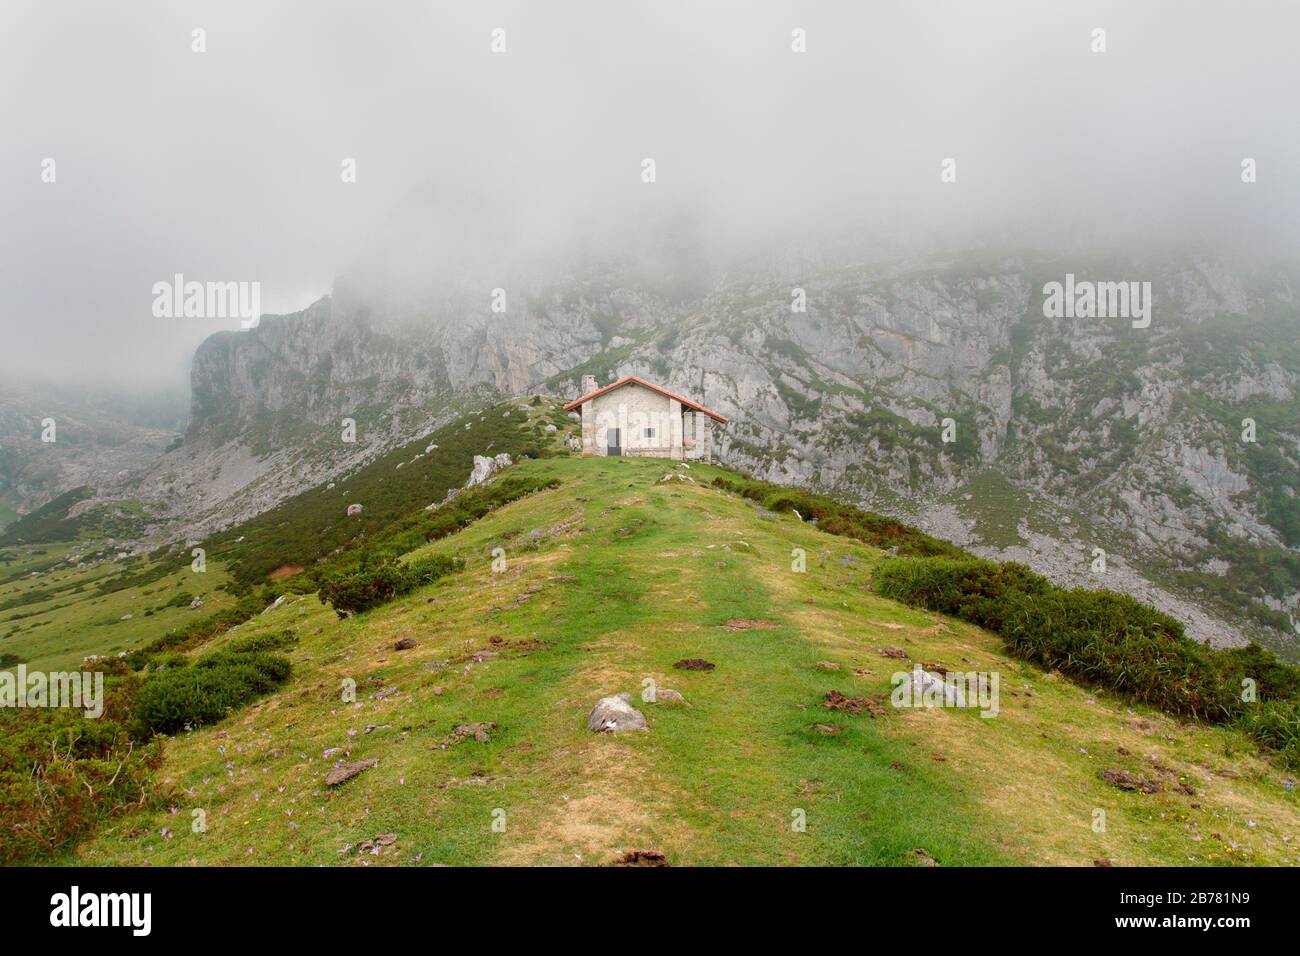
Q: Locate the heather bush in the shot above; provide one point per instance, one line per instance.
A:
(1103, 638)
(371, 584)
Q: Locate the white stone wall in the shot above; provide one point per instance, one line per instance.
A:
(633, 409)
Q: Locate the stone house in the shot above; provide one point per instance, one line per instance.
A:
(638, 418)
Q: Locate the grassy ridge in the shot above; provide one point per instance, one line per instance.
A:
(610, 576)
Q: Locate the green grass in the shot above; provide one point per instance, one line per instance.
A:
(610, 578)
(77, 620)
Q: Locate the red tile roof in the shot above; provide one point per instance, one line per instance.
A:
(630, 379)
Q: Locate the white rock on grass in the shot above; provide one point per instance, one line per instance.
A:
(615, 714)
(485, 468)
(931, 683)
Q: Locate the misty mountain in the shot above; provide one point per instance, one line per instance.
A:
(1128, 439)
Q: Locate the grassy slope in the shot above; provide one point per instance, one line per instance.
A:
(56, 633)
(627, 576)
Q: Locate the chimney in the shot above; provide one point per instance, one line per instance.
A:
(588, 385)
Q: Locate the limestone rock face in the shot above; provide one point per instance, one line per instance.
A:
(485, 468)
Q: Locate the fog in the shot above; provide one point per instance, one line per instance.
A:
(226, 165)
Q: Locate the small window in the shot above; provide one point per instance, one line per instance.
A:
(649, 433)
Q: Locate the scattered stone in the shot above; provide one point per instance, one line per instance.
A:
(439, 691)
(615, 714)
(478, 657)
(332, 752)
(895, 652)
(922, 858)
(196, 603)
(694, 664)
(354, 510)
(830, 730)
(347, 771)
(404, 644)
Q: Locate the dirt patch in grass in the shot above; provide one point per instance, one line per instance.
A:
(853, 705)
(641, 858)
(1131, 781)
(745, 624)
(285, 571)
(694, 664)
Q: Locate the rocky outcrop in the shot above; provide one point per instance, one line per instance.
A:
(485, 468)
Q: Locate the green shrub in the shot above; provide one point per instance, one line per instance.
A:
(266, 641)
(1276, 725)
(1099, 637)
(1116, 642)
(835, 517)
(61, 773)
(971, 589)
(370, 585)
(209, 689)
(212, 685)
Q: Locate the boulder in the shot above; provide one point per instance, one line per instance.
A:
(920, 682)
(354, 510)
(615, 714)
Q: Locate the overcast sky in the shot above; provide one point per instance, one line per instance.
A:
(225, 165)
